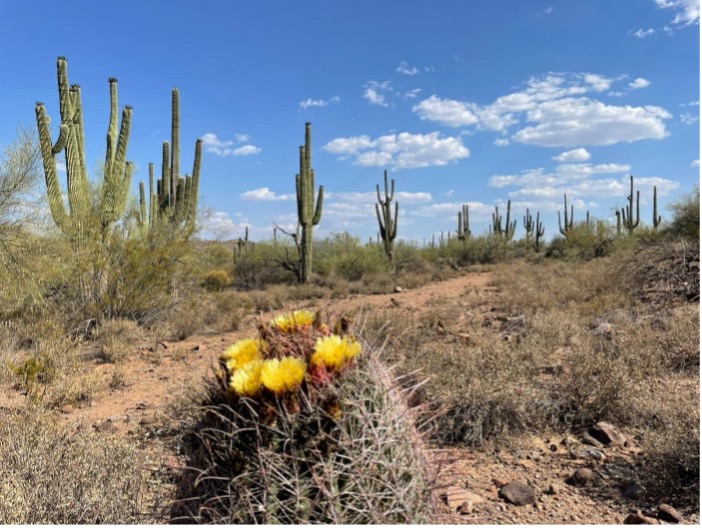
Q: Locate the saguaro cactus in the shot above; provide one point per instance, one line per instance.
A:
(117, 171)
(528, 226)
(176, 196)
(627, 212)
(567, 226)
(463, 224)
(308, 215)
(386, 223)
(538, 232)
(508, 232)
(656, 217)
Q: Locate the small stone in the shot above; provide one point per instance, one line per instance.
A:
(638, 518)
(552, 489)
(608, 434)
(499, 482)
(105, 427)
(460, 500)
(399, 289)
(67, 409)
(518, 493)
(592, 454)
(583, 478)
(115, 418)
(553, 447)
(149, 419)
(669, 514)
(633, 490)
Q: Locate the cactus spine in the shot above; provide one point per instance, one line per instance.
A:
(656, 217)
(627, 212)
(463, 224)
(386, 223)
(538, 232)
(528, 226)
(117, 172)
(176, 197)
(508, 232)
(308, 215)
(567, 226)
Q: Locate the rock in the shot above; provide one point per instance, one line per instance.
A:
(460, 500)
(552, 489)
(114, 419)
(638, 518)
(149, 419)
(584, 478)
(518, 493)
(669, 514)
(590, 440)
(394, 301)
(399, 289)
(633, 490)
(67, 409)
(499, 482)
(608, 434)
(592, 454)
(105, 427)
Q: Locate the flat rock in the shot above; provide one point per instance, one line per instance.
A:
(399, 289)
(638, 518)
(592, 454)
(460, 500)
(608, 434)
(669, 514)
(149, 419)
(518, 493)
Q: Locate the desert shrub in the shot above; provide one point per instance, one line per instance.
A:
(262, 264)
(231, 309)
(51, 475)
(116, 338)
(332, 446)
(216, 280)
(686, 216)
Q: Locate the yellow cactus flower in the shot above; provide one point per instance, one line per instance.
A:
(283, 375)
(333, 351)
(241, 353)
(246, 381)
(296, 320)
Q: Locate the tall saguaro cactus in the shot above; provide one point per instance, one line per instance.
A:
(567, 226)
(117, 171)
(538, 232)
(528, 226)
(386, 223)
(656, 217)
(308, 215)
(176, 197)
(628, 211)
(463, 224)
(507, 232)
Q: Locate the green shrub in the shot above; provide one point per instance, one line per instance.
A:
(686, 216)
(216, 280)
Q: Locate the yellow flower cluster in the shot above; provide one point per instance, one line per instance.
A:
(283, 375)
(296, 320)
(242, 353)
(334, 351)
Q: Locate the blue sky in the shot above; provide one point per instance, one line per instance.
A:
(461, 101)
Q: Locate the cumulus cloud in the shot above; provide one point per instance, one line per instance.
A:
(219, 225)
(445, 111)
(264, 194)
(638, 83)
(405, 69)
(371, 197)
(224, 148)
(579, 154)
(687, 12)
(318, 102)
(695, 163)
(375, 92)
(241, 138)
(689, 119)
(556, 111)
(643, 33)
(501, 142)
(478, 210)
(401, 151)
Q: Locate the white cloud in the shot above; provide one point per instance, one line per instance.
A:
(643, 33)
(501, 142)
(548, 10)
(401, 151)
(374, 93)
(445, 111)
(405, 69)
(241, 138)
(226, 148)
(478, 210)
(219, 225)
(598, 82)
(638, 83)
(411, 94)
(319, 102)
(687, 12)
(688, 118)
(264, 194)
(60, 166)
(572, 121)
(695, 163)
(449, 192)
(691, 103)
(579, 154)
(371, 197)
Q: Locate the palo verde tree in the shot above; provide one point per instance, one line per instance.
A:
(308, 215)
(71, 140)
(386, 223)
